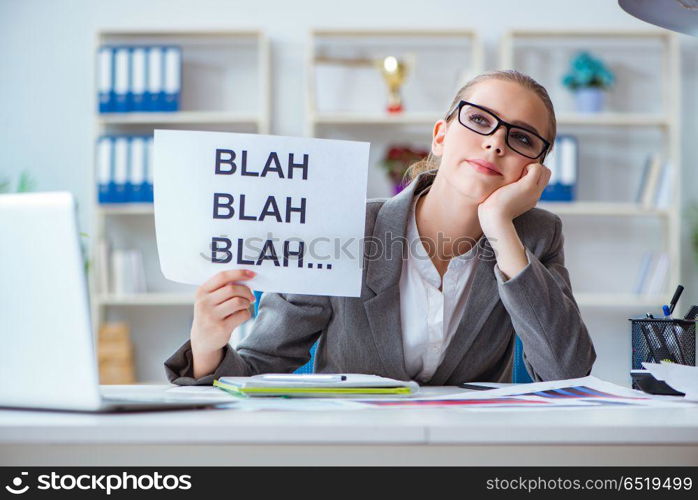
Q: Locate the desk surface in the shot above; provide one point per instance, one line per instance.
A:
(645, 435)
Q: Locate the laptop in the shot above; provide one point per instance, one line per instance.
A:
(48, 358)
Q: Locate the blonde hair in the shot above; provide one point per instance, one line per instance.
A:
(431, 162)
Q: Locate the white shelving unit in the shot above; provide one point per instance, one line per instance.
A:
(346, 100)
(225, 87)
(375, 119)
(183, 117)
(653, 107)
(614, 119)
(602, 208)
(148, 299)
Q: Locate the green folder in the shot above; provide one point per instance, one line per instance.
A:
(245, 390)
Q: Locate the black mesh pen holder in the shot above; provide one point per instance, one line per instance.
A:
(656, 340)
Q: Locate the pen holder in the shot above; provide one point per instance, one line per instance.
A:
(655, 340)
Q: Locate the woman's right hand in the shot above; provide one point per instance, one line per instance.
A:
(221, 305)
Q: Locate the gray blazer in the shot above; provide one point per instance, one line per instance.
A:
(363, 334)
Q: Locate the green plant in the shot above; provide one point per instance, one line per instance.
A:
(85, 252)
(25, 184)
(587, 71)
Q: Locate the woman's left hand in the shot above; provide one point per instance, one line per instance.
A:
(510, 201)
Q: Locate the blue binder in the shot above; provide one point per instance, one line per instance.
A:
(138, 79)
(121, 79)
(128, 188)
(139, 179)
(173, 78)
(149, 170)
(105, 155)
(120, 169)
(154, 78)
(136, 170)
(563, 161)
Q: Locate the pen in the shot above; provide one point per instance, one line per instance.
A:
(692, 313)
(475, 387)
(675, 298)
(305, 378)
(667, 311)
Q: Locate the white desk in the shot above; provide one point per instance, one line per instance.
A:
(608, 436)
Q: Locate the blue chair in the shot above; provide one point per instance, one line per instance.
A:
(257, 298)
(519, 373)
(306, 368)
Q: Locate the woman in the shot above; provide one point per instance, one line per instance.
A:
(464, 261)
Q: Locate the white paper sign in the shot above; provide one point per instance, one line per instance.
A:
(291, 209)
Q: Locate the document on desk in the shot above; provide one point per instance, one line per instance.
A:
(585, 392)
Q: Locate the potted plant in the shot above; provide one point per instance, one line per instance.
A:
(398, 159)
(588, 79)
(25, 184)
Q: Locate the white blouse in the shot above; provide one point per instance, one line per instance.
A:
(430, 317)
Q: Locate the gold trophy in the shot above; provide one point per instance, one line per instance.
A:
(394, 72)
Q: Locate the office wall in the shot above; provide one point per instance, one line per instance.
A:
(47, 96)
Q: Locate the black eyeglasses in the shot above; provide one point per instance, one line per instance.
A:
(522, 140)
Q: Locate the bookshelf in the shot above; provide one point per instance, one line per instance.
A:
(348, 102)
(225, 87)
(644, 104)
(354, 120)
